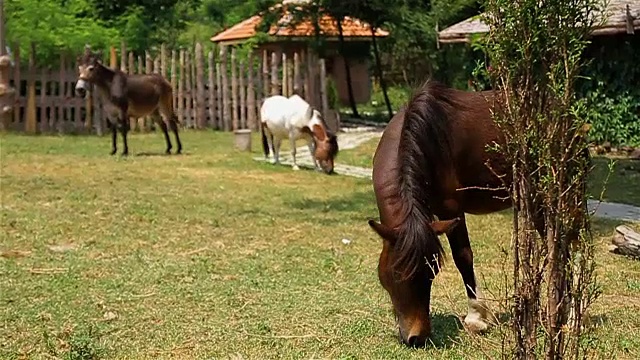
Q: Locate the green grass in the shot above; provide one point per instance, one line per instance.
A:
(214, 255)
(621, 185)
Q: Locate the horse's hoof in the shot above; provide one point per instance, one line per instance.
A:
(475, 324)
(168, 152)
(125, 153)
(295, 167)
(113, 152)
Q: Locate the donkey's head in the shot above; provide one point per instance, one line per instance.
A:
(326, 143)
(88, 62)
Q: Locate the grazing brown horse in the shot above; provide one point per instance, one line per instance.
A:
(433, 161)
(127, 96)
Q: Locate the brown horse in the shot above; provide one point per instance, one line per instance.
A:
(127, 96)
(433, 161)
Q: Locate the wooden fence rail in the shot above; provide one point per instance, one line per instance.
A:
(220, 90)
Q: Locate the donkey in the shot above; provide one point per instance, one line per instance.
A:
(127, 96)
(294, 118)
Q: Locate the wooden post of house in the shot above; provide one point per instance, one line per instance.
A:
(212, 91)
(325, 100)
(274, 74)
(226, 101)
(234, 89)
(17, 84)
(290, 75)
(180, 99)
(219, 97)
(201, 106)
(304, 59)
(30, 121)
(265, 74)
(285, 75)
(297, 86)
(44, 85)
(251, 95)
(243, 96)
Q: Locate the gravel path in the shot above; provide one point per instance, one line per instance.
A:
(353, 138)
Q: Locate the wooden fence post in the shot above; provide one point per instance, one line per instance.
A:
(201, 119)
(113, 57)
(285, 75)
(123, 57)
(265, 75)
(323, 89)
(44, 85)
(181, 90)
(17, 84)
(304, 59)
(219, 98)
(211, 75)
(30, 122)
(188, 87)
(226, 105)
(251, 95)
(163, 61)
(174, 81)
(132, 64)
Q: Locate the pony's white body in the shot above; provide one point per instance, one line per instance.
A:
(291, 118)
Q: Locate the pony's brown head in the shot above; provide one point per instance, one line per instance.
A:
(326, 144)
(409, 289)
(88, 62)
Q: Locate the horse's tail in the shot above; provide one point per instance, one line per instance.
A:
(265, 143)
(425, 148)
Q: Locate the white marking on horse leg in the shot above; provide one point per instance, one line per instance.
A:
(477, 315)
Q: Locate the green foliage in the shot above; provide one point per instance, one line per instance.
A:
(610, 90)
(54, 25)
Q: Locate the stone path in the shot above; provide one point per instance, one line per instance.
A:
(353, 138)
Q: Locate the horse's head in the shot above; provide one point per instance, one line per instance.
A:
(410, 293)
(326, 143)
(88, 62)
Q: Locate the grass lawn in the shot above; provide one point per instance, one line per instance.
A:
(214, 255)
(622, 185)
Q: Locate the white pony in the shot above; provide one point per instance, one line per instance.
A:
(295, 119)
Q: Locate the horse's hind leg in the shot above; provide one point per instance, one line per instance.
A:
(113, 126)
(165, 131)
(478, 312)
(166, 109)
(292, 142)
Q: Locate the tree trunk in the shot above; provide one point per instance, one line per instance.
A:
(383, 84)
(347, 68)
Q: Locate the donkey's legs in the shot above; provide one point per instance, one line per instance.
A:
(292, 143)
(173, 124)
(165, 132)
(477, 316)
(113, 126)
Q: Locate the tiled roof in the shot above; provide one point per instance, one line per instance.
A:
(617, 22)
(351, 28)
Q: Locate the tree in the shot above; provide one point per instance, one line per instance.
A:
(535, 50)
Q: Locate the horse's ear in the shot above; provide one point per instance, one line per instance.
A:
(444, 226)
(384, 232)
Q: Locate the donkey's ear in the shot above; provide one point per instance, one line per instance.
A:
(444, 226)
(384, 231)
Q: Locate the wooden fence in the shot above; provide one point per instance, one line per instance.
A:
(221, 90)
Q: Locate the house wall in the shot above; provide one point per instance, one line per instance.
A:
(360, 79)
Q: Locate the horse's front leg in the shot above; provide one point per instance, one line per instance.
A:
(477, 319)
(292, 143)
(113, 126)
(312, 150)
(124, 128)
(277, 141)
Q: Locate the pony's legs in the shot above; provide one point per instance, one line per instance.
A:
(276, 150)
(312, 150)
(478, 312)
(292, 142)
(173, 124)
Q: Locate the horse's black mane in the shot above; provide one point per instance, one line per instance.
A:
(425, 146)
